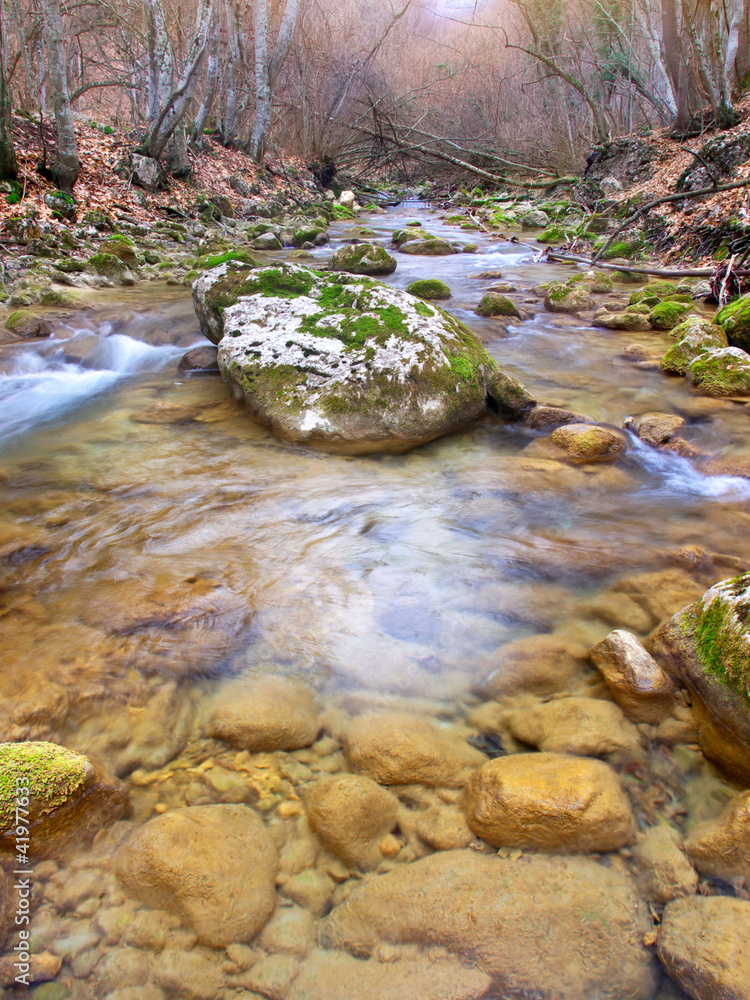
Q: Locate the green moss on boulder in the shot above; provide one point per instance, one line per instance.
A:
(53, 775)
(722, 633)
(668, 315)
(508, 394)
(209, 260)
(735, 320)
(723, 372)
(341, 362)
(306, 234)
(562, 298)
(552, 234)
(589, 442)
(694, 337)
(107, 265)
(494, 304)
(429, 288)
(121, 247)
(363, 258)
(428, 248)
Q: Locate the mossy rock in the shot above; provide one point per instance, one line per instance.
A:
(597, 282)
(306, 235)
(640, 309)
(494, 304)
(429, 288)
(402, 236)
(120, 246)
(300, 255)
(562, 298)
(722, 372)
(707, 647)
(341, 362)
(735, 319)
(628, 249)
(428, 248)
(508, 395)
(107, 265)
(207, 261)
(589, 442)
(694, 337)
(60, 299)
(668, 315)
(99, 220)
(644, 297)
(340, 212)
(552, 234)
(656, 289)
(68, 798)
(363, 258)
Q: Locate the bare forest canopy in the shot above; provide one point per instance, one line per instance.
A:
(498, 87)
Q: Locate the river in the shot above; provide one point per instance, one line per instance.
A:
(147, 563)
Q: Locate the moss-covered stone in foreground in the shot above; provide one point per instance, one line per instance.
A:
(724, 372)
(429, 288)
(735, 319)
(722, 633)
(52, 774)
(363, 258)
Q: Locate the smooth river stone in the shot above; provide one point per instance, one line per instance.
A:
(642, 689)
(540, 926)
(538, 664)
(588, 727)
(720, 848)
(351, 814)
(263, 713)
(549, 802)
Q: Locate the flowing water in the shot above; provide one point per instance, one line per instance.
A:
(150, 554)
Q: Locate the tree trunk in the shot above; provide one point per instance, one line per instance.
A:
(8, 162)
(675, 63)
(212, 80)
(67, 166)
(267, 70)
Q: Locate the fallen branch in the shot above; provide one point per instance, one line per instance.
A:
(659, 272)
(681, 196)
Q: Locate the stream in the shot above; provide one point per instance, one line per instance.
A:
(149, 556)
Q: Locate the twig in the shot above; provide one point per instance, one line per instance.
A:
(702, 272)
(722, 292)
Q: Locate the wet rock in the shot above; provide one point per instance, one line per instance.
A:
(546, 418)
(351, 814)
(362, 258)
(264, 712)
(705, 646)
(121, 247)
(69, 799)
(164, 412)
(587, 727)
(561, 298)
(24, 324)
(509, 395)
(428, 248)
(394, 748)
(514, 918)
(693, 337)
(291, 929)
(664, 872)
(720, 848)
(703, 946)
(310, 889)
(330, 975)
(213, 865)
(655, 428)
(317, 370)
(43, 967)
(638, 684)
(548, 802)
(632, 322)
(200, 361)
(494, 304)
(589, 442)
(267, 241)
(191, 975)
(444, 828)
(660, 593)
(534, 219)
(540, 664)
(721, 372)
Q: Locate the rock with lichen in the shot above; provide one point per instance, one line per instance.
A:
(494, 304)
(734, 318)
(429, 288)
(693, 337)
(340, 361)
(707, 647)
(68, 798)
(561, 298)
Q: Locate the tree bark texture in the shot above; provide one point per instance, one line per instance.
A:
(67, 166)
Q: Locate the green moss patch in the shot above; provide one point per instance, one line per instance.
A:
(53, 775)
(722, 634)
(429, 288)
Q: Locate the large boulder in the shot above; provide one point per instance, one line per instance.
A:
(693, 337)
(721, 372)
(395, 748)
(214, 866)
(428, 248)
(538, 926)
(703, 946)
(341, 362)
(548, 802)
(265, 713)
(67, 798)
(706, 646)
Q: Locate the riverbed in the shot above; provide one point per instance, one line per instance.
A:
(150, 560)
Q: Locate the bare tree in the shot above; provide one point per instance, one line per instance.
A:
(267, 69)
(67, 166)
(8, 162)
